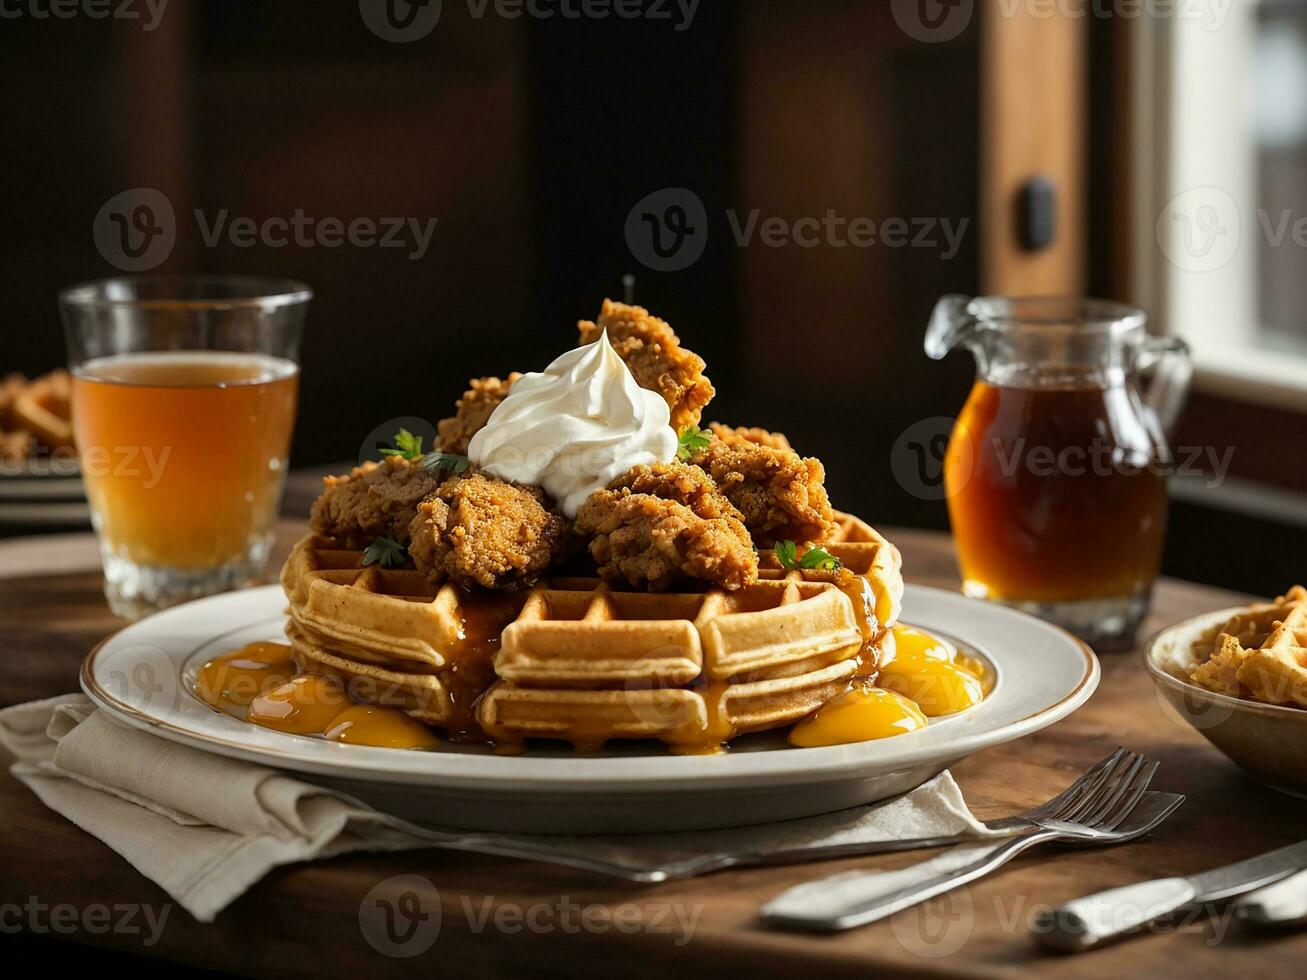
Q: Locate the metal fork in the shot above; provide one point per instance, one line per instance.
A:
(635, 863)
(1104, 814)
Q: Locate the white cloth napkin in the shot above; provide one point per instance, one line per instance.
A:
(205, 828)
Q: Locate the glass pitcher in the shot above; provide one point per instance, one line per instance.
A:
(1055, 473)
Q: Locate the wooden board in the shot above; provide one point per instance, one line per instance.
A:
(303, 921)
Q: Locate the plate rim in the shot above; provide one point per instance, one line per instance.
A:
(820, 765)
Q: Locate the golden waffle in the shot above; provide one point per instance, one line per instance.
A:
(1260, 653)
(421, 695)
(579, 661)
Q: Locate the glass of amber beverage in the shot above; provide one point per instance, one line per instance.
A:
(1055, 473)
(183, 403)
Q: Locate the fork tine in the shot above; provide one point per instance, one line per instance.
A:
(1132, 798)
(1108, 802)
(1088, 781)
(1104, 789)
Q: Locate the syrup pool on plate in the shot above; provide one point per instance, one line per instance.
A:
(919, 676)
(260, 683)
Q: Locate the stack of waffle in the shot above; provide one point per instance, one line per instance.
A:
(572, 659)
(1260, 653)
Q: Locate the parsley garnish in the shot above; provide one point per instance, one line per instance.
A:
(690, 441)
(818, 559)
(385, 552)
(406, 444)
(436, 462)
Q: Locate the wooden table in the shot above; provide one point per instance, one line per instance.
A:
(304, 920)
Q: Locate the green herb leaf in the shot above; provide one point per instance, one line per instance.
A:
(816, 559)
(447, 462)
(784, 552)
(406, 444)
(385, 552)
(820, 559)
(690, 441)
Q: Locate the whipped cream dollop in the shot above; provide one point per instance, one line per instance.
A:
(575, 426)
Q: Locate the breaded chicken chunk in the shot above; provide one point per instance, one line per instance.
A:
(476, 530)
(759, 437)
(655, 357)
(473, 410)
(374, 500)
(781, 495)
(654, 541)
(682, 483)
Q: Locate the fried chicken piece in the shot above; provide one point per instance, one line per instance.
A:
(477, 530)
(473, 410)
(751, 434)
(781, 495)
(682, 483)
(374, 500)
(653, 543)
(655, 357)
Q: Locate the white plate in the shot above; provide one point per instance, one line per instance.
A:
(143, 676)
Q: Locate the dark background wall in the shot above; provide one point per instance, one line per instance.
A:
(531, 141)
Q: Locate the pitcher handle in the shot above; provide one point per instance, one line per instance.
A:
(949, 323)
(1174, 369)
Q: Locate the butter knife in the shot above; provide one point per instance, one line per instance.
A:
(1280, 905)
(1107, 915)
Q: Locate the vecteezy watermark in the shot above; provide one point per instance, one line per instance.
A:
(1211, 14)
(667, 230)
(401, 916)
(400, 21)
(403, 21)
(383, 437)
(944, 926)
(95, 919)
(943, 20)
(141, 675)
(932, 20)
(1199, 229)
(931, 465)
(136, 230)
(149, 12)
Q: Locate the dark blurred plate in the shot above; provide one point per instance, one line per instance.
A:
(45, 514)
(20, 489)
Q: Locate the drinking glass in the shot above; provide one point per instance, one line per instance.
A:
(1056, 469)
(183, 402)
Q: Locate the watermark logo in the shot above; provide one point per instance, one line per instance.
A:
(400, 916)
(400, 21)
(1198, 230)
(917, 458)
(148, 12)
(933, 21)
(96, 919)
(667, 230)
(383, 437)
(930, 464)
(936, 928)
(136, 230)
(141, 675)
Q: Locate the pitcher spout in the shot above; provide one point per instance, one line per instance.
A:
(951, 324)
